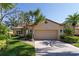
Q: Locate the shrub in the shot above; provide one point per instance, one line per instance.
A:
(76, 44)
(3, 29)
(4, 32)
(29, 36)
(68, 31)
(62, 36)
(3, 37)
(2, 44)
(70, 39)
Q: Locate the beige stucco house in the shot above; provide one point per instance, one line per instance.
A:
(43, 30)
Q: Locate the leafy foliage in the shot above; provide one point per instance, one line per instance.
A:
(5, 10)
(72, 21)
(11, 22)
(31, 17)
(36, 16)
(76, 44)
(24, 18)
(3, 29)
(68, 31)
(29, 36)
(7, 6)
(70, 39)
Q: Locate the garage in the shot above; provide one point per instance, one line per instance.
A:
(47, 30)
(46, 34)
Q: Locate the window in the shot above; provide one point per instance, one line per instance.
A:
(46, 22)
(19, 32)
(61, 31)
(30, 31)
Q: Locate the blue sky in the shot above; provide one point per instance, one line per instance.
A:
(54, 11)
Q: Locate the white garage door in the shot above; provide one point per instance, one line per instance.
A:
(46, 34)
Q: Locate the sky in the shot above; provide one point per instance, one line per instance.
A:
(53, 11)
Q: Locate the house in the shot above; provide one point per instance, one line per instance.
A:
(22, 29)
(43, 30)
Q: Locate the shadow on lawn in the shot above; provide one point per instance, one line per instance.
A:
(18, 50)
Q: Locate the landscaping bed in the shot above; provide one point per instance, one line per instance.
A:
(18, 48)
(17, 37)
(74, 40)
(76, 44)
(70, 39)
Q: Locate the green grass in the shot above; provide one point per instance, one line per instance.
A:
(18, 48)
(76, 44)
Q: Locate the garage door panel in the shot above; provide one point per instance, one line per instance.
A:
(45, 34)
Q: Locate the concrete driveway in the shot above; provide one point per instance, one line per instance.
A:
(57, 48)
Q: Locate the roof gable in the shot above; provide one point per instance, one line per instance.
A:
(53, 22)
(48, 25)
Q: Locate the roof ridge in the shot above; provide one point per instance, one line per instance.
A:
(53, 21)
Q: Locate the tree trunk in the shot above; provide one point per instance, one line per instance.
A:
(33, 37)
(73, 30)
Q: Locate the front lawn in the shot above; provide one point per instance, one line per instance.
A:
(18, 48)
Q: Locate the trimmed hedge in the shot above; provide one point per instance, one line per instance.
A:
(29, 36)
(70, 39)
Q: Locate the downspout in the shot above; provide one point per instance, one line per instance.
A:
(33, 35)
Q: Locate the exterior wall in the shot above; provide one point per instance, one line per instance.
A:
(48, 26)
(77, 31)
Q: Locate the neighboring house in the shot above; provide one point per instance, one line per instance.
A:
(43, 30)
(22, 29)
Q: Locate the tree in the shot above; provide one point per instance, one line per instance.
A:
(31, 18)
(36, 17)
(5, 9)
(4, 34)
(24, 18)
(68, 31)
(72, 20)
(11, 22)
